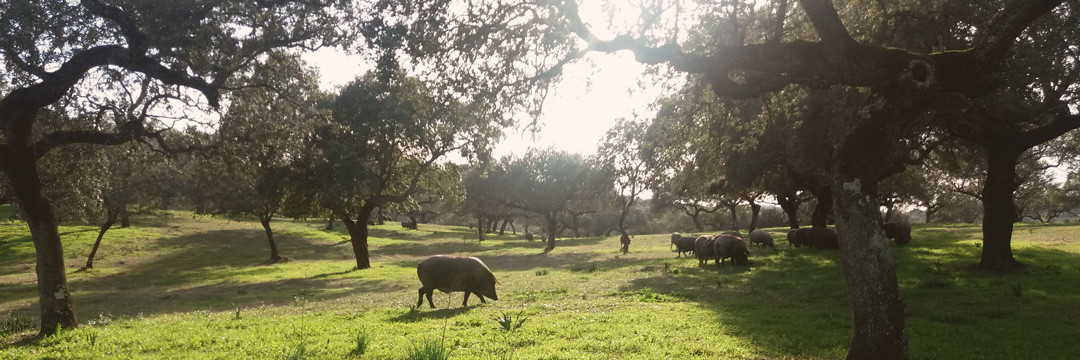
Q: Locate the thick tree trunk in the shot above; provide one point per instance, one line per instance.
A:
(330, 223)
(734, 217)
(502, 228)
(790, 205)
(552, 224)
(877, 310)
(358, 235)
(820, 216)
(265, 220)
(109, 221)
(999, 209)
(57, 306)
(125, 218)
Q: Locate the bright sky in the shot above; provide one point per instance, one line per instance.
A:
(594, 92)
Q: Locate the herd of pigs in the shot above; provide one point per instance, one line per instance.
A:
(469, 274)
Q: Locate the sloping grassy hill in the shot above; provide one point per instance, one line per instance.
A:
(198, 288)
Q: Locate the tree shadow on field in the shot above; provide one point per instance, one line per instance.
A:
(521, 262)
(163, 282)
(463, 247)
(794, 304)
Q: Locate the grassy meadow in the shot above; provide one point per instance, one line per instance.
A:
(188, 287)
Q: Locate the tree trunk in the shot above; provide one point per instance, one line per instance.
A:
(502, 228)
(574, 220)
(790, 205)
(358, 235)
(755, 210)
(622, 216)
(999, 209)
(877, 310)
(57, 306)
(696, 217)
(820, 216)
(265, 220)
(330, 223)
(109, 221)
(889, 207)
(734, 217)
(480, 227)
(552, 224)
(125, 218)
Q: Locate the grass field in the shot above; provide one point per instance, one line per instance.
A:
(201, 288)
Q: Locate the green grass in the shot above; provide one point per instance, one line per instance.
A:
(201, 287)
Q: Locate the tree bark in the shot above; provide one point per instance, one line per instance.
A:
(999, 208)
(877, 310)
(755, 210)
(109, 221)
(57, 306)
(265, 220)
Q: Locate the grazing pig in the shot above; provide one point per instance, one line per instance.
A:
(453, 273)
(528, 236)
(730, 247)
(703, 248)
(685, 245)
(797, 237)
(901, 232)
(762, 238)
(821, 238)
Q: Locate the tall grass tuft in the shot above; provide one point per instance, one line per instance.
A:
(510, 322)
(14, 324)
(362, 343)
(299, 353)
(429, 349)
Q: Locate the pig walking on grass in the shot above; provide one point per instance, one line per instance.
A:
(453, 273)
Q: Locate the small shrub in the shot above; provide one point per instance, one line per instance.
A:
(429, 349)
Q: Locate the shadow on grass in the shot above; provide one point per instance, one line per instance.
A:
(415, 315)
(795, 304)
